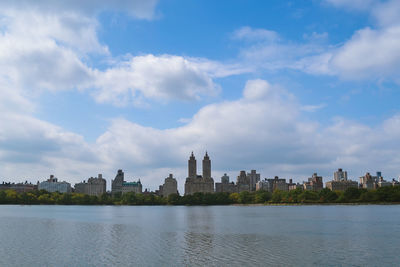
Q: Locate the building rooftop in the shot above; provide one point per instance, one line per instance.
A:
(131, 184)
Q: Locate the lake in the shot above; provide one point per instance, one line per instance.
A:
(343, 235)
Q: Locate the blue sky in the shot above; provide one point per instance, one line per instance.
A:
(286, 87)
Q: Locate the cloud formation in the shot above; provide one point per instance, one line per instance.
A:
(47, 46)
(265, 129)
(162, 77)
(372, 53)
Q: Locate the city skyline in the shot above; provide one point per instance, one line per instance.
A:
(286, 88)
(290, 183)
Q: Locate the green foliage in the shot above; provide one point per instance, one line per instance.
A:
(262, 196)
(234, 197)
(387, 194)
(246, 197)
(173, 199)
(278, 196)
(326, 195)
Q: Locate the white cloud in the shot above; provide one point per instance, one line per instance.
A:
(250, 34)
(369, 53)
(266, 129)
(387, 13)
(256, 89)
(47, 45)
(136, 8)
(162, 77)
(31, 149)
(271, 53)
(48, 48)
(312, 108)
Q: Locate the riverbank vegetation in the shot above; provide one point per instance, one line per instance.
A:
(352, 195)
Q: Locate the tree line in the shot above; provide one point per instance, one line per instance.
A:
(352, 195)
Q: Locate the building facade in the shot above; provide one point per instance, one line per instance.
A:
(118, 185)
(273, 184)
(225, 186)
(199, 183)
(340, 181)
(253, 178)
(315, 183)
(169, 187)
(53, 185)
(341, 185)
(93, 186)
(18, 187)
(367, 181)
(340, 175)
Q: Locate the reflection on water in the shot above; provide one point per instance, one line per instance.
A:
(199, 236)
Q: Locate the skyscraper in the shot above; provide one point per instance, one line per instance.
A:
(197, 183)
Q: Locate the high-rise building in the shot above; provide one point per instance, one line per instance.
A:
(192, 167)
(273, 184)
(53, 185)
(367, 181)
(169, 187)
(242, 179)
(197, 183)
(253, 178)
(340, 181)
(340, 175)
(118, 185)
(225, 186)
(225, 179)
(314, 183)
(206, 167)
(93, 186)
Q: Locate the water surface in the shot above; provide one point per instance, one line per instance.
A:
(200, 236)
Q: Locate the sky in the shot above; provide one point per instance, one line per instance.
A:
(288, 88)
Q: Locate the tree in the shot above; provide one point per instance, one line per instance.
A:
(352, 194)
(308, 196)
(11, 197)
(173, 199)
(327, 195)
(234, 197)
(277, 196)
(246, 198)
(129, 198)
(222, 198)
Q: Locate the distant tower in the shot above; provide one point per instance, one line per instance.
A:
(242, 178)
(206, 167)
(192, 167)
(225, 179)
(340, 175)
(116, 184)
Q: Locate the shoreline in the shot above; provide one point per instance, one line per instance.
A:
(237, 205)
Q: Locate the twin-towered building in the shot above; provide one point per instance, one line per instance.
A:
(205, 183)
(199, 183)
